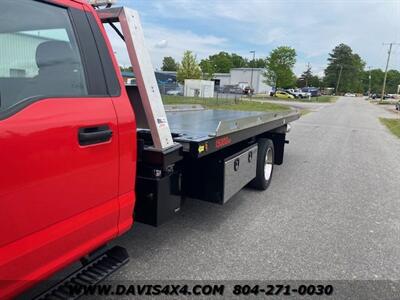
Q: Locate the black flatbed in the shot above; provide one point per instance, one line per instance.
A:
(203, 131)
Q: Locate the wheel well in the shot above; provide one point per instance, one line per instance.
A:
(278, 137)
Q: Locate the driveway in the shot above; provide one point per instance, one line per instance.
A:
(331, 212)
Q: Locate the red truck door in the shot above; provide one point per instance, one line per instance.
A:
(58, 142)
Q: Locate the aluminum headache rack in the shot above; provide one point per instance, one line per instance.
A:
(152, 105)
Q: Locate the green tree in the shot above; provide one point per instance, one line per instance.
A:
(392, 81)
(126, 69)
(315, 81)
(257, 63)
(307, 78)
(376, 80)
(304, 79)
(352, 66)
(208, 69)
(238, 61)
(221, 62)
(188, 69)
(279, 67)
(169, 64)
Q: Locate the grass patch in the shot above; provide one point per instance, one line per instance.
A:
(392, 124)
(325, 99)
(387, 102)
(320, 99)
(228, 104)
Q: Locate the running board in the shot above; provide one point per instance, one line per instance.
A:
(90, 274)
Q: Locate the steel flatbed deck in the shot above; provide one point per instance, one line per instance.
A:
(203, 131)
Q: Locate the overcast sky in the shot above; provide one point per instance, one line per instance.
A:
(313, 28)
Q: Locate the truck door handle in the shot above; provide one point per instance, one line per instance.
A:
(94, 135)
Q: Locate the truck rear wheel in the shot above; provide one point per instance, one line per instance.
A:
(265, 165)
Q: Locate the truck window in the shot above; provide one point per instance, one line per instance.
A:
(39, 56)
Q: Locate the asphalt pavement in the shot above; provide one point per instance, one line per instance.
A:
(332, 212)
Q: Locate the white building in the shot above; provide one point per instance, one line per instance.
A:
(222, 79)
(199, 88)
(244, 77)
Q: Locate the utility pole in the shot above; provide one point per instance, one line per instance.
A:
(252, 67)
(308, 69)
(369, 82)
(387, 66)
(338, 82)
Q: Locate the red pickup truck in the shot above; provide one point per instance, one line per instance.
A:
(77, 146)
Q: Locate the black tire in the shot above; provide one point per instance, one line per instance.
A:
(261, 182)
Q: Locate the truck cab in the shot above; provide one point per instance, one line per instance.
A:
(67, 140)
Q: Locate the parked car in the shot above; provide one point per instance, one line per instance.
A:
(349, 95)
(235, 90)
(219, 89)
(231, 89)
(176, 92)
(398, 106)
(297, 93)
(378, 96)
(315, 92)
(283, 95)
(248, 90)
